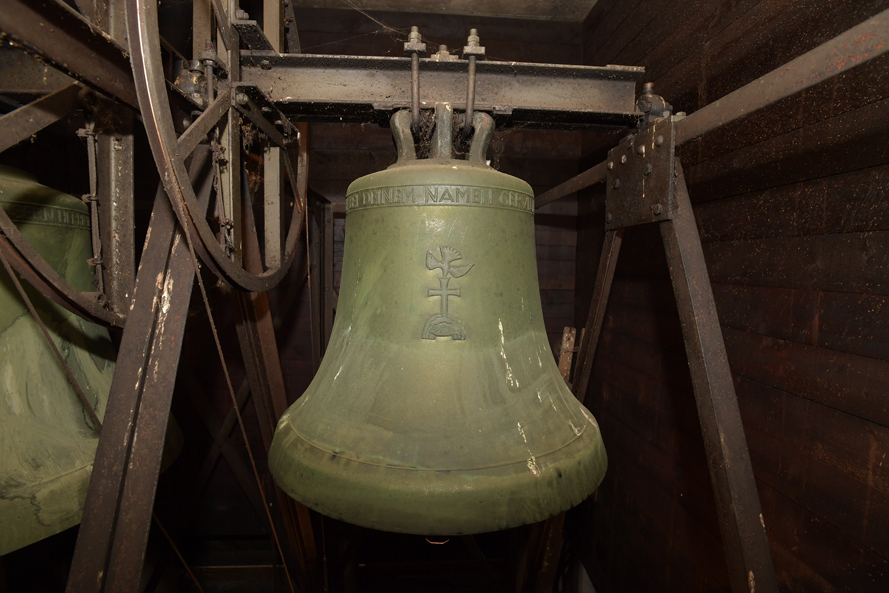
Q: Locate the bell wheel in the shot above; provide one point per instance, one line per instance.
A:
(248, 243)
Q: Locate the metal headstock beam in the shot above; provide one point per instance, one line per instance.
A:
(368, 89)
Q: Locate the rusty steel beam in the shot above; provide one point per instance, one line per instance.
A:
(65, 39)
(589, 177)
(29, 119)
(602, 289)
(738, 508)
(645, 185)
(848, 50)
(259, 349)
(22, 74)
(115, 187)
(117, 515)
(359, 88)
(853, 48)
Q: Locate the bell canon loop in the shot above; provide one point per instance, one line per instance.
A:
(438, 407)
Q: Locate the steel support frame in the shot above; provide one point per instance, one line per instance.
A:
(646, 185)
(27, 120)
(256, 336)
(72, 44)
(76, 47)
(743, 530)
(117, 515)
(860, 44)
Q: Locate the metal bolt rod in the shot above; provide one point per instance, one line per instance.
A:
(208, 72)
(415, 89)
(470, 97)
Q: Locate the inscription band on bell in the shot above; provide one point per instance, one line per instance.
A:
(440, 195)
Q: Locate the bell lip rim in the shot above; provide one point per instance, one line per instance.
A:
(586, 471)
(569, 443)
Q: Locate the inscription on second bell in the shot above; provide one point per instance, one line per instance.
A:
(444, 195)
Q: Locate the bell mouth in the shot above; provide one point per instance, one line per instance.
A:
(427, 501)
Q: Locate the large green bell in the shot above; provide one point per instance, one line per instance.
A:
(438, 407)
(47, 439)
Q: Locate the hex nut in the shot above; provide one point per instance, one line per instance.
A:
(648, 169)
(616, 184)
(656, 209)
(610, 165)
(265, 65)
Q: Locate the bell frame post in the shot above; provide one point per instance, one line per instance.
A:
(645, 185)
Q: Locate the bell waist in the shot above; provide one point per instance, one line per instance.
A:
(440, 195)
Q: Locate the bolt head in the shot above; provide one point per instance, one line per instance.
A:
(241, 98)
(610, 165)
(641, 150)
(608, 217)
(648, 169)
(265, 65)
(623, 159)
(656, 209)
(659, 141)
(616, 184)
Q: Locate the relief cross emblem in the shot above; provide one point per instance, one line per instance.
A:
(443, 324)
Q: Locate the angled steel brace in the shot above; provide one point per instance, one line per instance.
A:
(851, 49)
(117, 515)
(645, 185)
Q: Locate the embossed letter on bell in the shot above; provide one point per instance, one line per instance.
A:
(438, 407)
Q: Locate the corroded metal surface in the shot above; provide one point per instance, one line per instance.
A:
(111, 543)
(366, 88)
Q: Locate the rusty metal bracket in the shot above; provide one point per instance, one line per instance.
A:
(639, 182)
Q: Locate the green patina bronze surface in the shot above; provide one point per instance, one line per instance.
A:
(47, 439)
(438, 407)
